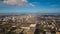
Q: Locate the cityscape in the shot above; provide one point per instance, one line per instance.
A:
(30, 24)
(29, 16)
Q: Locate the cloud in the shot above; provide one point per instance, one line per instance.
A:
(15, 2)
(32, 5)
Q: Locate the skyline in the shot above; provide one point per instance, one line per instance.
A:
(29, 6)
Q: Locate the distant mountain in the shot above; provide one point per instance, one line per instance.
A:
(29, 13)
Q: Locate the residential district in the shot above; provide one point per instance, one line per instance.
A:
(30, 24)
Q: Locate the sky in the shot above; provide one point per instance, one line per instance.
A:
(29, 6)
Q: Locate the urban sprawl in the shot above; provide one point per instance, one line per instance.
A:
(30, 24)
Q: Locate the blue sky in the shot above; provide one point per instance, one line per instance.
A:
(30, 6)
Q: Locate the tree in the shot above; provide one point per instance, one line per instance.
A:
(6, 27)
